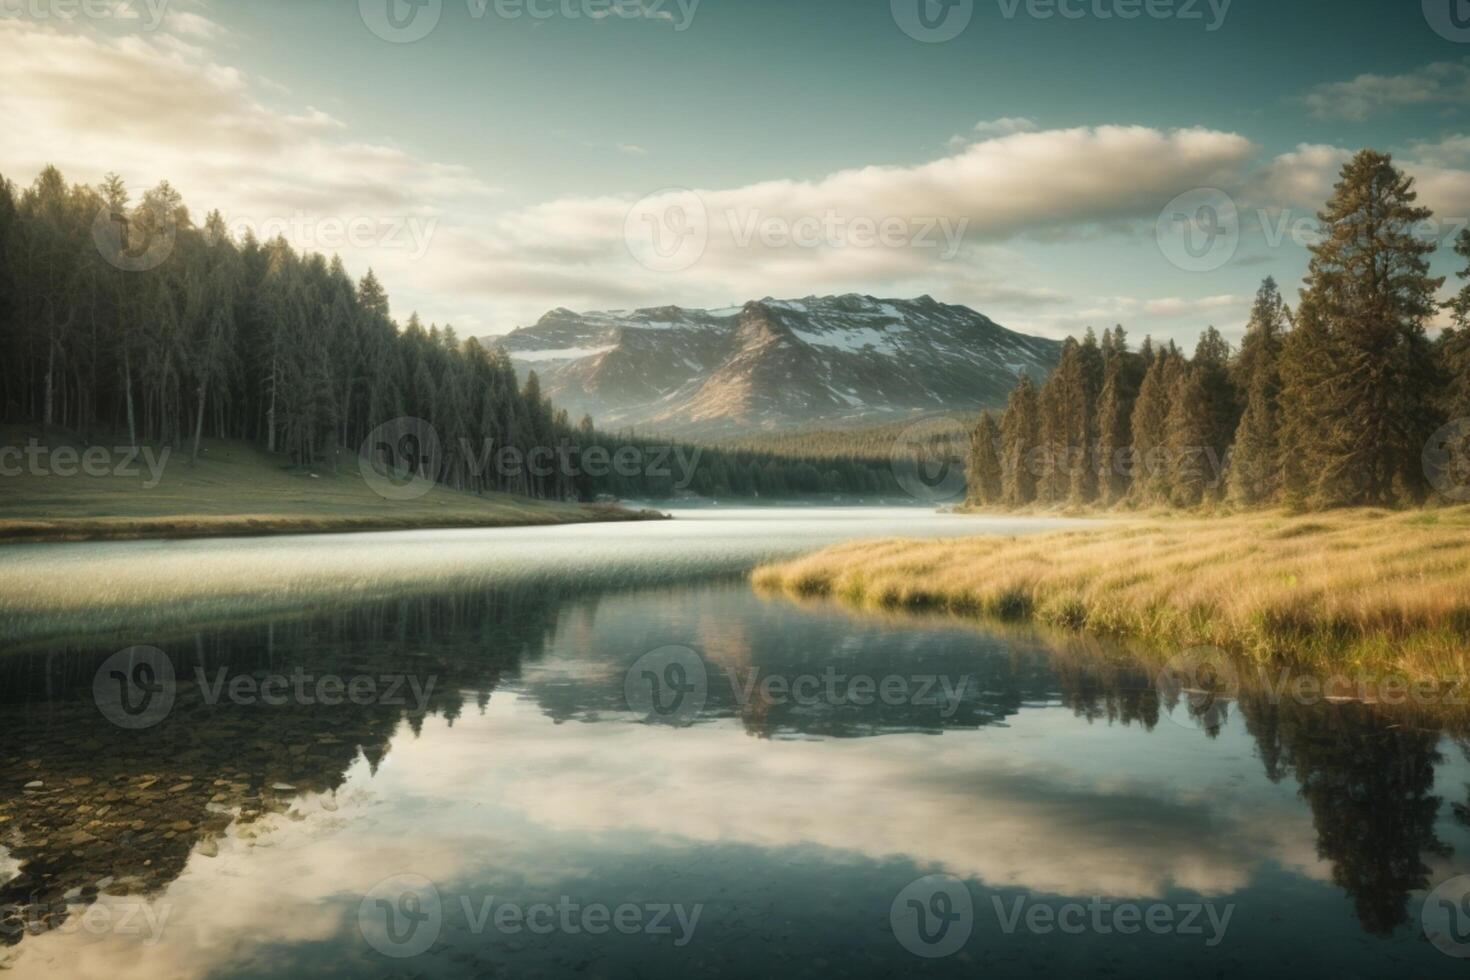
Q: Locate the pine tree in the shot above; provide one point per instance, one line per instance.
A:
(1255, 458)
(1222, 400)
(1152, 470)
(1188, 430)
(984, 479)
(1020, 434)
(1055, 458)
(1454, 343)
(1369, 282)
(1083, 390)
(1123, 372)
(1453, 354)
(1308, 368)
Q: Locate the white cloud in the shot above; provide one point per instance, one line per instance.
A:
(1005, 126)
(151, 106)
(164, 105)
(956, 211)
(546, 820)
(193, 25)
(1163, 317)
(991, 128)
(1441, 83)
(1304, 178)
(1177, 306)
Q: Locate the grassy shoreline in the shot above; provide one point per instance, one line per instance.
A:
(237, 490)
(252, 525)
(1348, 589)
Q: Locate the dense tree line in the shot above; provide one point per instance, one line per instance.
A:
(1332, 404)
(738, 470)
(124, 318)
(121, 317)
(872, 442)
(850, 460)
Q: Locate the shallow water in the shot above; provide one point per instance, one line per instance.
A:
(57, 591)
(566, 764)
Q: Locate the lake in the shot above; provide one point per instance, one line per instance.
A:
(596, 751)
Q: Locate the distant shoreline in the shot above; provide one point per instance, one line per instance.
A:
(46, 530)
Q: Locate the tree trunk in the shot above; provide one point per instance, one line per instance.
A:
(50, 376)
(128, 389)
(270, 413)
(199, 422)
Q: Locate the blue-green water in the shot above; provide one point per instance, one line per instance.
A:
(545, 771)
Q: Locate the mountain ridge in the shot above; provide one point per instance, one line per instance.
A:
(773, 364)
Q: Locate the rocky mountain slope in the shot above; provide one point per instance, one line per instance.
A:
(775, 364)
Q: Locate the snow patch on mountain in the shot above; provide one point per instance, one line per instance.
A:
(775, 363)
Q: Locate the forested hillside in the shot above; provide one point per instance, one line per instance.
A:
(1344, 401)
(127, 319)
(872, 442)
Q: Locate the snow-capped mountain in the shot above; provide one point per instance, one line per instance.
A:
(774, 364)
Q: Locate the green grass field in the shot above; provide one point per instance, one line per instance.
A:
(234, 489)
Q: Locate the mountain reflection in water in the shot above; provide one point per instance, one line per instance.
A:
(1057, 769)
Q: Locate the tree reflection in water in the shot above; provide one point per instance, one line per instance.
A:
(88, 808)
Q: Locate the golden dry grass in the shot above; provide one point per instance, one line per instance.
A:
(1351, 588)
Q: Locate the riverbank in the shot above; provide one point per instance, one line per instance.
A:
(1352, 588)
(235, 489)
(95, 592)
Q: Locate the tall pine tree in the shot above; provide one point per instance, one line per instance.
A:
(985, 471)
(1369, 285)
(1255, 459)
(1020, 434)
(1122, 373)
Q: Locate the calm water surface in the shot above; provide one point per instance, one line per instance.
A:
(596, 752)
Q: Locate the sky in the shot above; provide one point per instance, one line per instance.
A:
(1054, 164)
